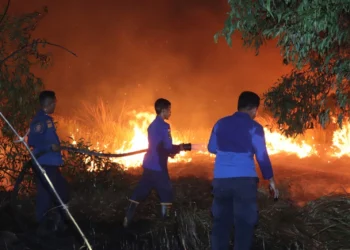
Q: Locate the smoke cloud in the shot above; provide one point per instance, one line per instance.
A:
(137, 51)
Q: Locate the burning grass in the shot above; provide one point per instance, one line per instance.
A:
(118, 129)
(98, 198)
(113, 129)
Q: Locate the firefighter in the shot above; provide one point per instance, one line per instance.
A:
(155, 170)
(235, 140)
(45, 142)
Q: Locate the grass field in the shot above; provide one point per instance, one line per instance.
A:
(311, 214)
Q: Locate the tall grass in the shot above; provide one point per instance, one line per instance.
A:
(99, 198)
(100, 124)
(111, 127)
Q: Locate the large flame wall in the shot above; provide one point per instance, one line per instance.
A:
(276, 142)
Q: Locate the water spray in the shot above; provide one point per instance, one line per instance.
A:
(199, 147)
(43, 172)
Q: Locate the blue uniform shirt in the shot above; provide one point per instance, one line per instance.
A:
(235, 140)
(160, 145)
(42, 135)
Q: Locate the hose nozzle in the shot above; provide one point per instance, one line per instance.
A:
(187, 146)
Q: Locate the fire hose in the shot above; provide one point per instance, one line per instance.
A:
(186, 147)
(29, 164)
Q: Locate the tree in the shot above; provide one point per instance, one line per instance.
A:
(314, 36)
(19, 53)
(19, 87)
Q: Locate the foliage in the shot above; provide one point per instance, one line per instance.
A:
(77, 162)
(19, 86)
(12, 159)
(19, 52)
(314, 36)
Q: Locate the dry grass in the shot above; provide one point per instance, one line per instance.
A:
(111, 128)
(98, 199)
(321, 224)
(100, 124)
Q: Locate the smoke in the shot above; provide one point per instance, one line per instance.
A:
(137, 51)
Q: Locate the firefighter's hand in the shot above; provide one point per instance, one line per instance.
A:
(273, 189)
(55, 147)
(185, 147)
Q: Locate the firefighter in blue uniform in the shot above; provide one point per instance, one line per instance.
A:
(155, 171)
(235, 140)
(45, 143)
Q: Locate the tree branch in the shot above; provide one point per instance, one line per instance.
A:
(31, 45)
(5, 12)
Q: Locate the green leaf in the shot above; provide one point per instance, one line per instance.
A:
(279, 17)
(268, 7)
(313, 39)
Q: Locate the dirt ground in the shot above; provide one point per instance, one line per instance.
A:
(309, 179)
(306, 179)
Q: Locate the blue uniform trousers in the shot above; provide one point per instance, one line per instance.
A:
(152, 179)
(234, 204)
(45, 197)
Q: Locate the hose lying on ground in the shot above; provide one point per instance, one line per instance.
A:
(29, 164)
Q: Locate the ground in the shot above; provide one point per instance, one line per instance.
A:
(98, 202)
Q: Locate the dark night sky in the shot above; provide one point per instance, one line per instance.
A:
(136, 51)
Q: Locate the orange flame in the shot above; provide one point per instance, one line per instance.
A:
(275, 141)
(341, 142)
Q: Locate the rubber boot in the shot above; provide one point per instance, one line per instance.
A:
(60, 222)
(130, 213)
(165, 210)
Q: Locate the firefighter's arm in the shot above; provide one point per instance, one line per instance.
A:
(168, 142)
(36, 136)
